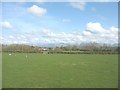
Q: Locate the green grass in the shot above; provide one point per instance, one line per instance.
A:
(60, 71)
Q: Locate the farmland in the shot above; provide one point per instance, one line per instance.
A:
(59, 70)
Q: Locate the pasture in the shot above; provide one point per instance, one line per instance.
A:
(59, 71)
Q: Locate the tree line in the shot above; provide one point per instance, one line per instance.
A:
(83, 48)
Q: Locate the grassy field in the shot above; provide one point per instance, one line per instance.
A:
(60, 71)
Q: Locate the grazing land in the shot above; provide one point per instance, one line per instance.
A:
(59, 70)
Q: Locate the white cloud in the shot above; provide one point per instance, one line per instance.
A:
(86, 33)
(103, 35)
(94, 27)
(6, 25)
(46, 36)
(11, 37)
(1, 38)
(36, 10)
(79, 5)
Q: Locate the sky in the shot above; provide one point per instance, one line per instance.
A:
(40, 23)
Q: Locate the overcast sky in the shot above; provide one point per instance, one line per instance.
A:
(59, 22)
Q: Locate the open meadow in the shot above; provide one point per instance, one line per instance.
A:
(59, 71)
